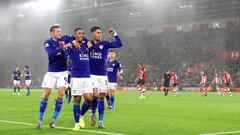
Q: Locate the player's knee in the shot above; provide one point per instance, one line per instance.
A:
(102, 95)
(46, 95)
(95, 94)
(88, 97)
(112, 93)
(61, 92)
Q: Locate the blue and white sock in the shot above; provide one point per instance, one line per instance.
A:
(43, 106)
(85, 107)
(76, 112)
(108, 100)
(112, 101)
(94, 104)
(101, 108)
(58, 106)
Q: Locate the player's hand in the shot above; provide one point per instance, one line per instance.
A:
(67, 45)
(112, 31)
(120, 77)
(61, 44)
(89, 44)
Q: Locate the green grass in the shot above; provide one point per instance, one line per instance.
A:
(188, 114)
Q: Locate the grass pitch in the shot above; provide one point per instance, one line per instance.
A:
(187, 114)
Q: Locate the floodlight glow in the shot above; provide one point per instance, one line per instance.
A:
(44, 5)
(21, 15)
(29, 4)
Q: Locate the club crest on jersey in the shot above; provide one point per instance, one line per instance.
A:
(113, 64)
(46, 45)
(101, 46)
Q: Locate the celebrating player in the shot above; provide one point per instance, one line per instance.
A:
(27, 75)
(142, 76)
(98, 60)
(56, 75)
(217, 81)
(166, 82)
(174, 82)
(81, 83)
(114, 69)
(227, 82)
(204, 82)
(16, 80)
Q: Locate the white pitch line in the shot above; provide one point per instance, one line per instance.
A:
(58, 127)
(221, 133)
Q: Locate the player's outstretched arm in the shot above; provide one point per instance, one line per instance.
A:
(117, 43)
(52, 51)
(67, 49)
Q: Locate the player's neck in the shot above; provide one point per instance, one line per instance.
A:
(96, 41)
(54, 39)
(77, 44)
(111, 60)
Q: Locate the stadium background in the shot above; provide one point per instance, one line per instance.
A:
(185, 36)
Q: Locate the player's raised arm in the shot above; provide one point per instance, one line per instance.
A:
(67, 49)
(117, 43)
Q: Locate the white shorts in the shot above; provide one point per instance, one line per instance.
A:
(100, 82)
(55, 79)
(16, 82)
(112, 86)
(80, 86)
(28, 82)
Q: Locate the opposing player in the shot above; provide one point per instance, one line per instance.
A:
(16, 75)
(227, 82)
(27, 75)
(81, 83)
(204, 82)
(217, 82)
(166, 82)
(98, 61)
(175, 82)
(142, 76)
(56, 75)
(114, 69)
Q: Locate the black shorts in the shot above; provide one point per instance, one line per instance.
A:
(166, 84)
(204, 85)
(141, 82)
(174, 85)
(227, 84)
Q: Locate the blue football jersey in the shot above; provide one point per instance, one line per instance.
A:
(56, 58)
(80, 60)
(98, 55)
(16, 75)
(112, 71)
(27, 74)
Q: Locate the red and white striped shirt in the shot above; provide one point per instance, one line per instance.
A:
(204, 79)
(217, 80)
(142, 74)
(227, 77)
(174, 78)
